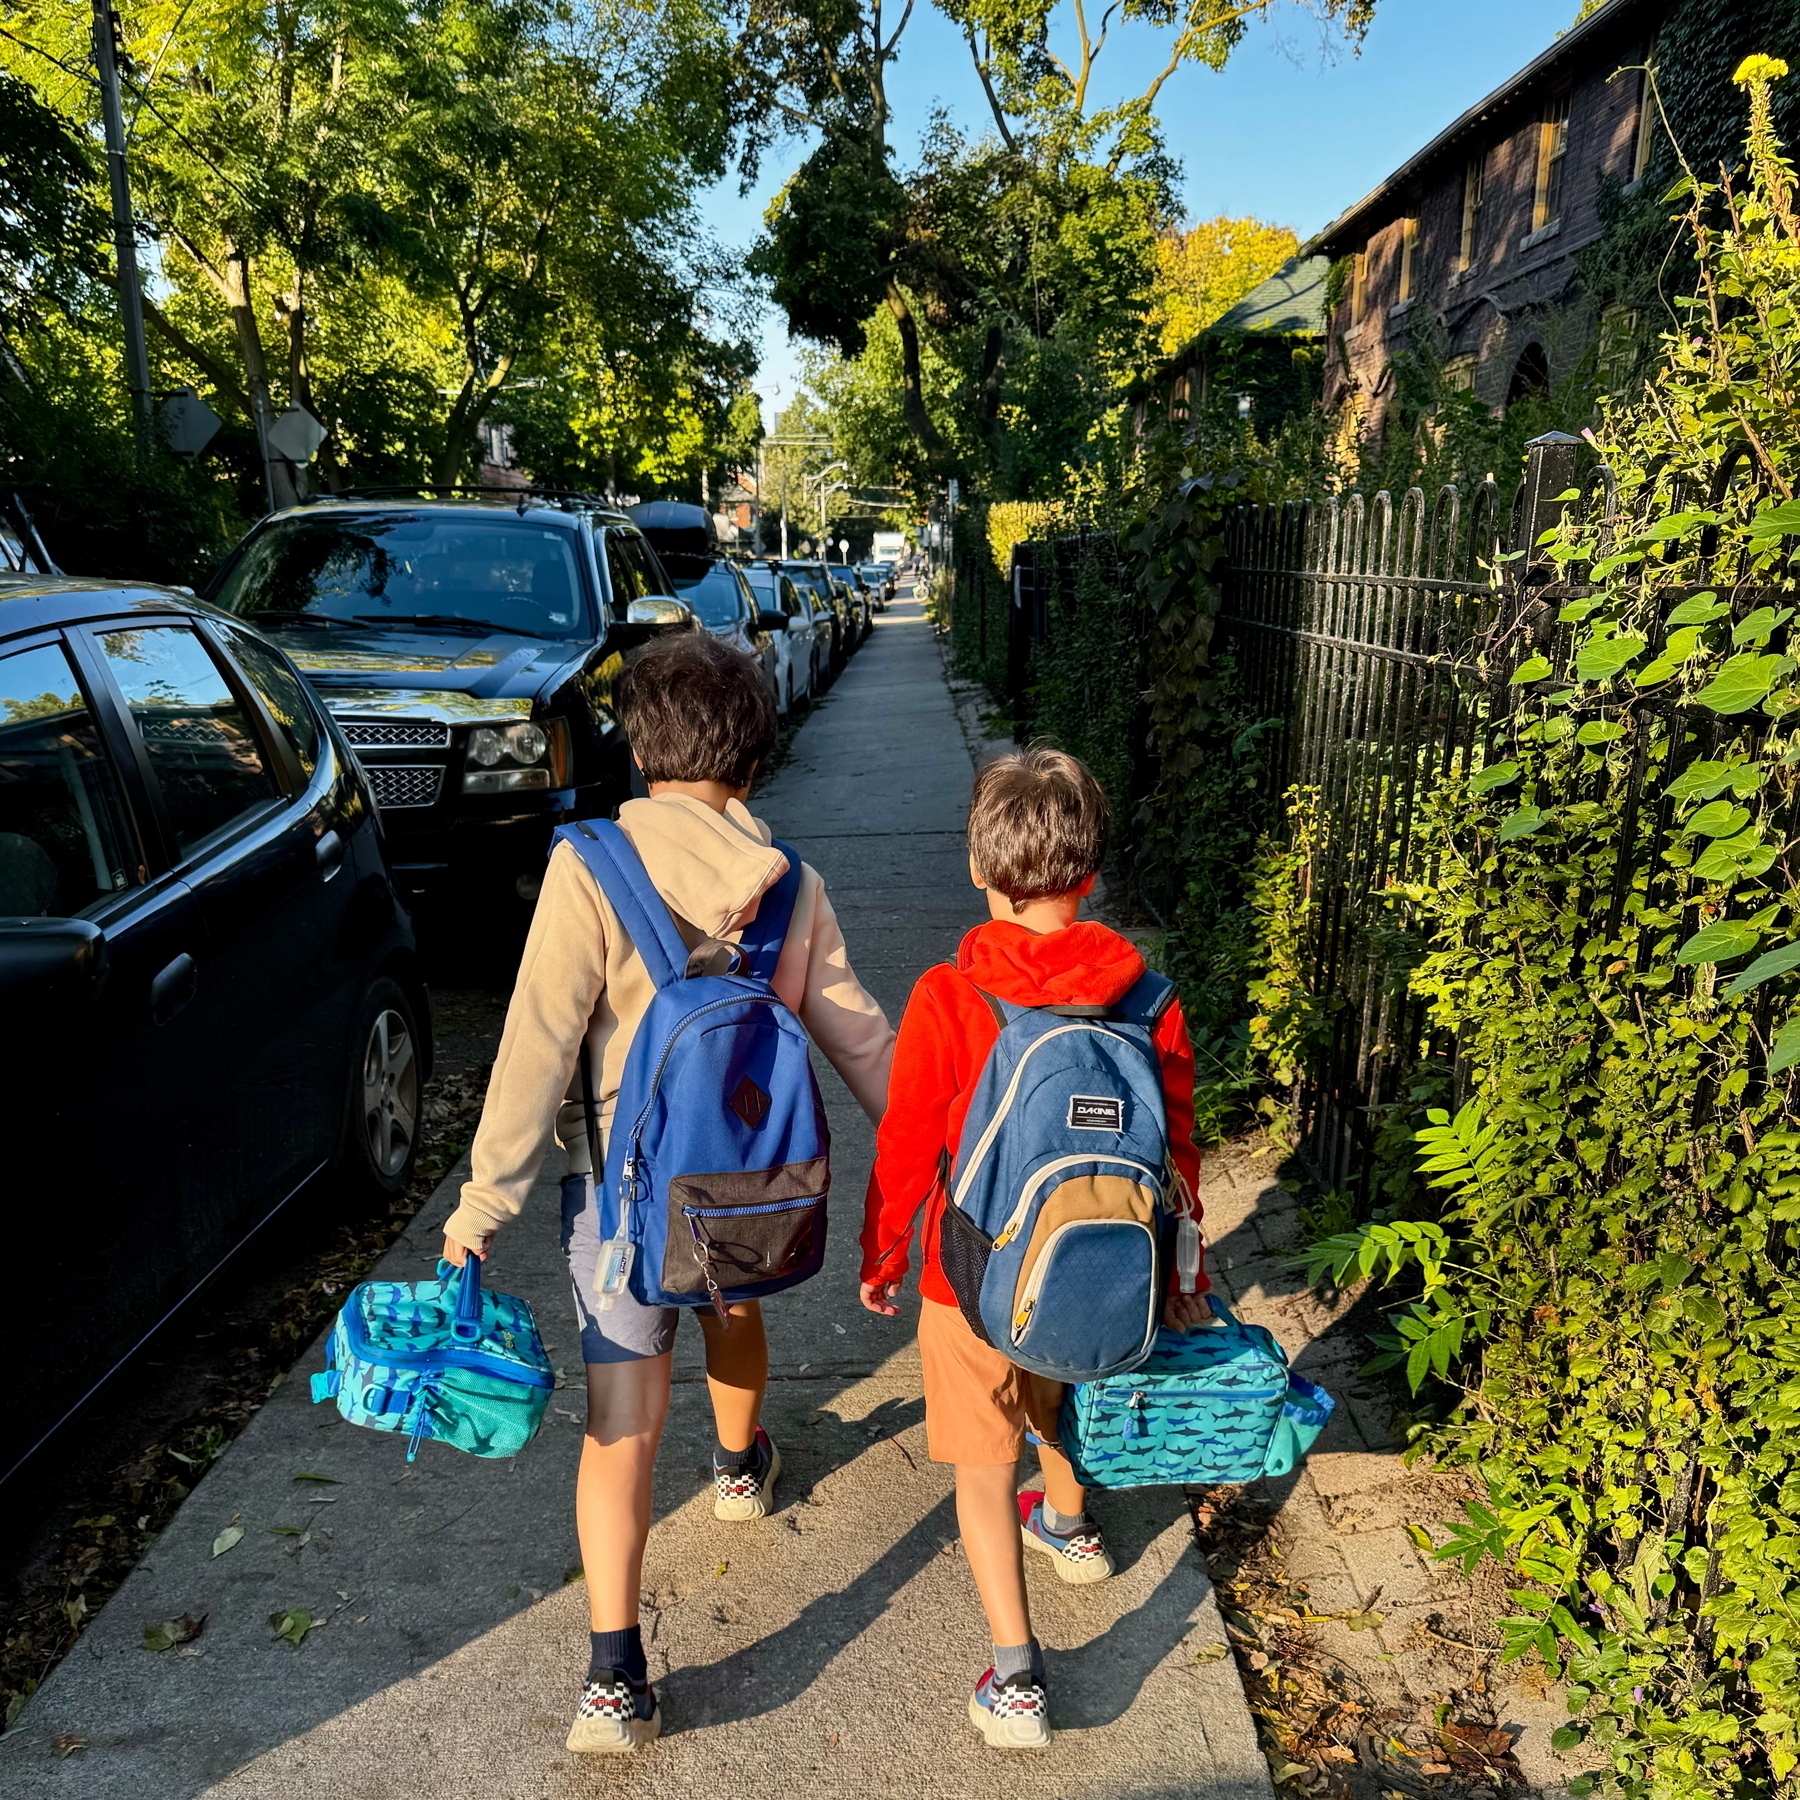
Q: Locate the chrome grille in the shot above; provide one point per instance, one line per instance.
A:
(404, 784)
(378, 733)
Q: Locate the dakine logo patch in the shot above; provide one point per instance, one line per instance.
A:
(1092, 1112)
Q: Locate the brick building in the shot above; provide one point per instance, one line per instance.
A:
(1468, 252)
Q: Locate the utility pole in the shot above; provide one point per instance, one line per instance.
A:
(784, 510)
(131, 296)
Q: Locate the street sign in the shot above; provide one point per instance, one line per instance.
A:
(297, 435)
(187, 423)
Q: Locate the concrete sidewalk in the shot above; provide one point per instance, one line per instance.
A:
(825, 1651)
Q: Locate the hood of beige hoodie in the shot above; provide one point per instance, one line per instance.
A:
(712, 868)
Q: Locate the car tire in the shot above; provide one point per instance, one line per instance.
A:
(385, 1108)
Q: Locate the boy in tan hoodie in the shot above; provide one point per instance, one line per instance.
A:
(699, 722)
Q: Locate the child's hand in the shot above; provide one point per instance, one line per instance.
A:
(458, 1254)
(1186, 1312)
(879, 1297)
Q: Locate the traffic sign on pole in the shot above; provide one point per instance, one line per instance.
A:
(297, 435)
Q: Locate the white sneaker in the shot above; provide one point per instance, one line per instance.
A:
(745, 1494)
(1080, 1557)
(1013, 1714)
(606, 1718)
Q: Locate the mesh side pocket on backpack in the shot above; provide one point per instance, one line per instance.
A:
(963, 1252)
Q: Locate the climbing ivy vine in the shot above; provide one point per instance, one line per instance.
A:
(1607, 1295)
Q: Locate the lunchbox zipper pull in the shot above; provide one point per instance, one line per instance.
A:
(1134, 1416)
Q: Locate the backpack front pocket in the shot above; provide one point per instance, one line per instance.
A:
(742, 1229)
(1087, 1297)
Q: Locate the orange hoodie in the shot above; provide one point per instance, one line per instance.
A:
(944, 1040)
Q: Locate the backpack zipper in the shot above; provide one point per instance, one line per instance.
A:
(744, 1212)
(1029, 1299)
(1016, 1219)
(1012, 1089)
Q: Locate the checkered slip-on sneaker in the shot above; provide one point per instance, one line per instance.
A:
(745, 1494)
(1080, 1557)
(607, 1717)
(1013, 1714)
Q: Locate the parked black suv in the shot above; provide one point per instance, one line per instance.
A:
(208, 986)
(468, 649)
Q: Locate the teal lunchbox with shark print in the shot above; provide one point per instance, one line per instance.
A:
(439, 1359)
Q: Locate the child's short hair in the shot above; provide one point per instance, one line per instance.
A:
(696, 709)
(1037, 823)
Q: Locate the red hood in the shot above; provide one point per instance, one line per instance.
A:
(1087, 964)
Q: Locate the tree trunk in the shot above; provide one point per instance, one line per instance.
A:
(470, 407)
(290, 309)
(283, 489)
(912, 403)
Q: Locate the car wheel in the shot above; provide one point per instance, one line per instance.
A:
(381, 1130)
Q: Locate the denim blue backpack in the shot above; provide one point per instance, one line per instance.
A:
(719, 1160)
(1057, 1223)
(439, 1359)
(1214, 1405)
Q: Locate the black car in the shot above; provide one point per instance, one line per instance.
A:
(468, 649)
(861, 599)
(208, 982)
(843, 625)
(712, 586)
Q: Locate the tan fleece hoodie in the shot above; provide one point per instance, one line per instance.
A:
(581, 977)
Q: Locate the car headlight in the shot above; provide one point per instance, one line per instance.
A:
(507, 758)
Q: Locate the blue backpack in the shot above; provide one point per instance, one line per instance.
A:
(439, 1359)
(1212, 1405)
(1057, 1221)
(719, 1162)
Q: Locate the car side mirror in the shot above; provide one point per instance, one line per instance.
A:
(51, 962)
(659, 609)
(769, 620)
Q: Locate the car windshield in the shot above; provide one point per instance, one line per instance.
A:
(434, 571)
(711, 589)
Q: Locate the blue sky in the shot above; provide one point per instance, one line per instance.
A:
(1292, 130)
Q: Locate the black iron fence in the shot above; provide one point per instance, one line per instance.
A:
(1377, 641)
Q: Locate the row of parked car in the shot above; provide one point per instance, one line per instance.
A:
(215, 815)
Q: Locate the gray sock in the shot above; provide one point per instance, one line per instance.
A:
(1061, 1524)
(1019, 1659)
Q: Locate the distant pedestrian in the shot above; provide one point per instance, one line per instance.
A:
(699, 721)
(1037, 824)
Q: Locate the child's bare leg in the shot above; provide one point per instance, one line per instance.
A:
(1061, 1489)
(737, 1371)
(627, 1404)
(987, 1514)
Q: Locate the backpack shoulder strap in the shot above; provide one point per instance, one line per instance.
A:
(1146, 1000)
(761, 940)
(620, 872)
(1004, 1011)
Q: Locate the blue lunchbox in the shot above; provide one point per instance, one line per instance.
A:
(442, 1359)
(1218, 1404)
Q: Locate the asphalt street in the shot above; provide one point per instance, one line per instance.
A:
(826, 1651)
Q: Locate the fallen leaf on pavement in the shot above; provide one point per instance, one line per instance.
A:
(1211, 1653)
(720, 1570)
(170, 1632)
(228, 1539)
(329, 1480)
(68, 1744)
(292, 1625)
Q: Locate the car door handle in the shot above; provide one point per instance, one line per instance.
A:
(173, 988)
(329, 854)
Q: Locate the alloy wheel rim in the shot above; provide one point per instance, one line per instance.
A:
(390, 1092)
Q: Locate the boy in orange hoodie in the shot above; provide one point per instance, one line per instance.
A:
(1037, 826)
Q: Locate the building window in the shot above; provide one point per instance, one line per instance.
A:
(1459, 372)
(1553, 143)
(1474, 186)
(1409, 245)
(1646, 123)
(1359, 288)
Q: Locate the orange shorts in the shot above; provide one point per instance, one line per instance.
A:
(977, 1404)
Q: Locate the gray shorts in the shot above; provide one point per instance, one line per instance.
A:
(629, 1331)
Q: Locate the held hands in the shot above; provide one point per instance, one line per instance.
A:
(879, 1297)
